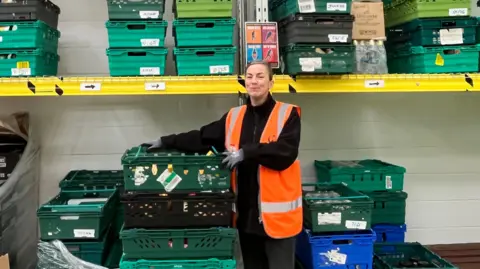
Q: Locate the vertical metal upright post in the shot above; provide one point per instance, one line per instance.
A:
(261, 10)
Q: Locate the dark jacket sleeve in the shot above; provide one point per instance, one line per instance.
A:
(199, 141)
(281, 154)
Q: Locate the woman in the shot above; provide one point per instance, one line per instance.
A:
(261, 141)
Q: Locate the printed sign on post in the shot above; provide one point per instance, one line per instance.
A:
(261, 42)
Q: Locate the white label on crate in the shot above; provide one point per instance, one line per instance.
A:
(329, 218)
(374, 83)
(169, 180)
(356, 224)
(139, 177)
(84, 233)
(21, 72)
(337, 38)
(337, 257)
(150, 42)
(388, 182)
(219, 69)
(154, 86)
(451, 36)
(306, 6)
(149, 71)
(90, 86)
(69, 217)
(336, 6)
(458, 12)
(310, 64)
(149, 14)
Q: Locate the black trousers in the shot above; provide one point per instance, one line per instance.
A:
(261, 252)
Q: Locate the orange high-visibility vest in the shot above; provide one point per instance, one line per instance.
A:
(280, 194)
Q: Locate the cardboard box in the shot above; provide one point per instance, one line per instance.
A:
(4, 262)
(369, 21)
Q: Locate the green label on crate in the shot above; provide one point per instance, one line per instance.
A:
(169, 180)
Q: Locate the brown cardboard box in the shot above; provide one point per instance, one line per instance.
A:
(369, 21)
(4, 262)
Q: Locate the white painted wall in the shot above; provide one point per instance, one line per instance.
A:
(435, 136)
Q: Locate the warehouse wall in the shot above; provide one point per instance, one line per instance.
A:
(435, 136)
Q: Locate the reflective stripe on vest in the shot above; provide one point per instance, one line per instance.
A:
(281, 207)
(231, 124)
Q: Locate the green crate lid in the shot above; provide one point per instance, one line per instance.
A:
(331, 193)
(154, 51)
(182, 22)
(140, 154)
(178, 233)
(90, 178)
(386, 195)
(147, 23)
(358, 167)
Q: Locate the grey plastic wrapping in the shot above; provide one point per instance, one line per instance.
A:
(54, 255)
(19, 197)
(371, 57)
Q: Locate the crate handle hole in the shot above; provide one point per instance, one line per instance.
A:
(205, 53)
(8, 56)
(170, 243)
(342, 242)
(137, 54)
(449, 23)
(205, 25)
(185, 242)
(451, 51)
(324, 21)
(384, 237)
(136, 27)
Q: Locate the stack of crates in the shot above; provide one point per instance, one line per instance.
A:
(29, 38)
(431, 36)
(382, 182)
(178, 211)
(315, 36)
(136, 37)
(84, 216)
(337, 231)
(203, 31)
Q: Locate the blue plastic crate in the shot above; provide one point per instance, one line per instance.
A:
(390, 233)
(340, 250)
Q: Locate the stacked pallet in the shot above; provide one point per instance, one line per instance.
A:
(315, 36)
(84, 216)
(431, 37)
(136, 37)
(29, 38)
(178, 211)
(203, 32)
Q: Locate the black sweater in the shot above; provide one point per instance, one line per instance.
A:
(277, 156)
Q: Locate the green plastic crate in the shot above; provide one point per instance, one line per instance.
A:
(35, 62)
(28, 35)
(318, 59)
(151, 171)
(433, 32)
(137, 61)
(174, 264)
(390, 255)
(135, 10)
(281, 9)
(115, 255)
(441, 59)
(203, 32)
(136, 34)
(364, 175)
(335, 208)
(179, 243)
(92, 180)
(205, 61)
(70, 216)
(388, 207)
(187, 9)
(401, 11)
(95, 252)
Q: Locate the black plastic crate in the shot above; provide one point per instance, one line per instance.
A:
(177, 210)
(315, 29)
(30, 10)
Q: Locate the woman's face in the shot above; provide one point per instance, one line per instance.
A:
(257, 81)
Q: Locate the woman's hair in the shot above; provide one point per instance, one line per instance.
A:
(267, 66)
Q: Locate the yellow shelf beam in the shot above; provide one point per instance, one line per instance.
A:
(77, 86)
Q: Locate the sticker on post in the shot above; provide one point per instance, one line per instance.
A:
(336, 6)
(154, 14)
(84, 233)
(452, 36)
(155, 86)
(388, 182)
(329, 218)
(169, 180)
(458, 12)
(337, 38)
(219, 69)
(306, 6)
(150, 42)
(356, 224)
(149, 71)
(139, 177)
